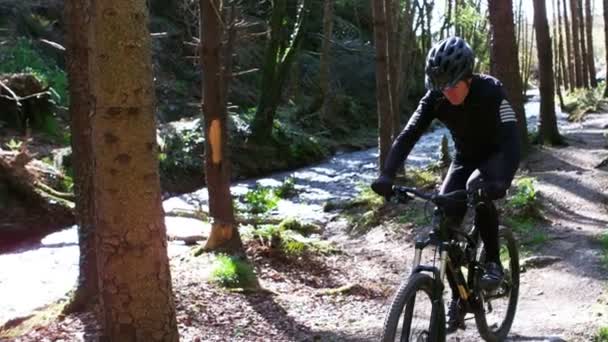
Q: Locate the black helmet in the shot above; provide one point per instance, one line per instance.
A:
(448, 62)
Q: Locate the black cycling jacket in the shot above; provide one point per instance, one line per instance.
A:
(483, 127)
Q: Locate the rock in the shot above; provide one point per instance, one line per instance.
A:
(539, 261)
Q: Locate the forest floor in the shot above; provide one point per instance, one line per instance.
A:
(564, 300)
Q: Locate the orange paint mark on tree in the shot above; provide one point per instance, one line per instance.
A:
(215, 140)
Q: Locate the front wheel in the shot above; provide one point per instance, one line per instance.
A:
(416, 313)
(497, 307)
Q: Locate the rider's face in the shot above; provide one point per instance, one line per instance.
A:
(457, 93)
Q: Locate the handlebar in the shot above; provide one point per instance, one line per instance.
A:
(402, 195)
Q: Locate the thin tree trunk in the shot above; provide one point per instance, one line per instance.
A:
(606, 44)
(390, 41)
(77, 59)
(134, 278)
(583, 40)
(562, 58)
(504, 61)
(383, 93)
(519, 26)
(395, 49)
(324, 67)
(530, 51)
(590, 52)
(428, 8)
(569, 48)
(457, 26)
(447, 21)
(578, 66)
(555, 45)
(224, 234)
(279, 57)
(547, 130)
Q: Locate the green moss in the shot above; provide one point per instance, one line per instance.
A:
(297, 226)
(583, 101)
(287, 189)
(413, 215)
(422, 178)
(232, 272)
(603, 239)
(21, 56)
(260, 200)
(289, 239)
(602, 335)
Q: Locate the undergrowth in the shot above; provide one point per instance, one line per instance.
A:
(232, 272)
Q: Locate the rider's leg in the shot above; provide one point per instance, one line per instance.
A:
(486, 219)
(455, 179)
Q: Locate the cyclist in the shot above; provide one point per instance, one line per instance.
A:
(483, 126)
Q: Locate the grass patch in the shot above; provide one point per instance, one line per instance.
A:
(524, 200)
(40, 318)
(260, 200)
(602, 335)
(523, 214)
(287, 189)
(363, 212)
(232, 272)
(413, 215)
(422, 178)
(290, 238)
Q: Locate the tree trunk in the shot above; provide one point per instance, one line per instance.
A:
(134, 278)
(447, 21)
(590, 53)
(324, 67)
(383, 93)
(395, 53)
(77, 59)
(519, 26)
(504, 61)
(606, 44)
(547, 129)
(224, 234)
(562, 59)
(583, 40)
(578, 66)
(428, 10)
(557, 74)
(279, 57)
(570, 49)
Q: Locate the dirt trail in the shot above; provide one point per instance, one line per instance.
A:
(567, 299)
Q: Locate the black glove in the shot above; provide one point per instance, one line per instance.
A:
(383, 186)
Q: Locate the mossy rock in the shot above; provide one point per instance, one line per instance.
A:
(297, 226)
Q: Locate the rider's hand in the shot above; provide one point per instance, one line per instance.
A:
(383, 186)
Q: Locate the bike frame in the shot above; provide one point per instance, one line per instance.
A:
(445, 244)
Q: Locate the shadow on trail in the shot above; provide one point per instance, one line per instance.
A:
(544, 160)
(266, 306)
(560, 209)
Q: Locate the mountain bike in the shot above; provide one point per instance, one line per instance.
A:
(417, 312)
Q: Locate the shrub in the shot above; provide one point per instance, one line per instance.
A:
(232, 272)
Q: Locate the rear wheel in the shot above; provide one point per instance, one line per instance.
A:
(416, 313)
(497, 307)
